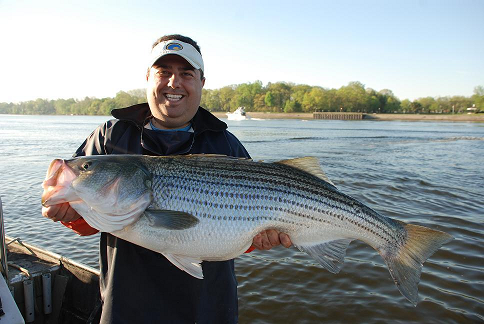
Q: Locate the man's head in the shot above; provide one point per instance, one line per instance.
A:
(175, 81)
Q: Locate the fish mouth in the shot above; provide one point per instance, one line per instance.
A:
(57, 184)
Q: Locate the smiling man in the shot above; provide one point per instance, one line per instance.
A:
(139, 285)
(174, 85)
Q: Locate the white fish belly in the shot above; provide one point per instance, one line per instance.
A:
(210, 240)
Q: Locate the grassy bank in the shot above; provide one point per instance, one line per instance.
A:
(411, 117)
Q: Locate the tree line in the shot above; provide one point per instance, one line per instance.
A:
(86, 106)
(274, 97)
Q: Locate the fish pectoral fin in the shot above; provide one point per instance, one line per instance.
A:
(331, 254)
(308, 164)
(191, 266)
(170, 219)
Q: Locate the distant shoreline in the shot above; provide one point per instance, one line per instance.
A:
(478, 118)
(376, 117)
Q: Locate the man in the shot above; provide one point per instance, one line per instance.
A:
(139, 285)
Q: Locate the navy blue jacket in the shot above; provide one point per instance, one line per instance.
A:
(142, 286)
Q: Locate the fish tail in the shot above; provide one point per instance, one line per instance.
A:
(405, 261)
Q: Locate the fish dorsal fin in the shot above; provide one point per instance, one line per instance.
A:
(330, 254)
(170, 219)
(191, 266)
(307, 164)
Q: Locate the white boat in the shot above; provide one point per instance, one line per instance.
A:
(238, 114)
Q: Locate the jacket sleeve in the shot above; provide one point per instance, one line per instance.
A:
(236, 147)
(80, 227)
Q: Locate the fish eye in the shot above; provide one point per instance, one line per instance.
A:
(86, 165)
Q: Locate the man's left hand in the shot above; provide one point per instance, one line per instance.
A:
(271, 238)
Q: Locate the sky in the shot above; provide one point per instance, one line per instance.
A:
(73, 49)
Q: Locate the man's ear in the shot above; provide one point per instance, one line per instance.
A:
(203, 82)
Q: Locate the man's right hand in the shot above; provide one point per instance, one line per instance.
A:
(61, 212)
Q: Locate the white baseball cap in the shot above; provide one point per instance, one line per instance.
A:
(174, 46)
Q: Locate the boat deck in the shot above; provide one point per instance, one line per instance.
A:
(74, 287)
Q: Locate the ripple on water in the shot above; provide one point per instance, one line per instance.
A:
(424, 173)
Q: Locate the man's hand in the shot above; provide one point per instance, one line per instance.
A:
(271, 238)
(61, 212)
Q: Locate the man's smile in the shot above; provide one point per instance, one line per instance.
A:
(173, 97)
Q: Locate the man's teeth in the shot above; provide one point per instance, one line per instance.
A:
(173, 97)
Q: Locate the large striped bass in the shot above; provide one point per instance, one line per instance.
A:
(202, 207)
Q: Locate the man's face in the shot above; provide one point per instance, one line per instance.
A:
(174, 91)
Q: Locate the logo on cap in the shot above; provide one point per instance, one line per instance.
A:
(174, 47)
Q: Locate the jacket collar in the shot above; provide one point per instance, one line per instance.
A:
(137, 114)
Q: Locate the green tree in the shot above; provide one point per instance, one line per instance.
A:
(281, 92)
(297, 94)
(388, 102)
(354, 97)
(426, 103)
(314, 100)
(460, 103)
(292, 106)
(140, 94)
(211, 100)
(227, 98)
(107, 105)
(276, 97)
(269, 99)
(6, 108)
(64, 106)
(405, 106)
(259, 102)
(124, 99)
(442, 105)
(416, 107)
(478, 97)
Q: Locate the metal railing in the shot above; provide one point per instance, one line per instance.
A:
(3, 249)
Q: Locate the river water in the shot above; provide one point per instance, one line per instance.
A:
(425, 173)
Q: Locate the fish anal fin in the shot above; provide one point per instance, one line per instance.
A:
(191, 266)
(170, 219)
(307, 164)
(330, 254)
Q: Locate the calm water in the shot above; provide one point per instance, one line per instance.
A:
(425, 173)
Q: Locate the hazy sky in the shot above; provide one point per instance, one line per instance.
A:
(53, 49)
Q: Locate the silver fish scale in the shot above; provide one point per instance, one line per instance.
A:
(233, 196)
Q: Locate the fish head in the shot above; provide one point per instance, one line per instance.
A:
(111, 185)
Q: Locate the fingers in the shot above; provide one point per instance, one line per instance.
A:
(271, 238)
(263, 242)
(61, 212)
(285, 240)
(257, 242)
(51, 211)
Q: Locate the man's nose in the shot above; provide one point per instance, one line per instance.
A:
(174, 81)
